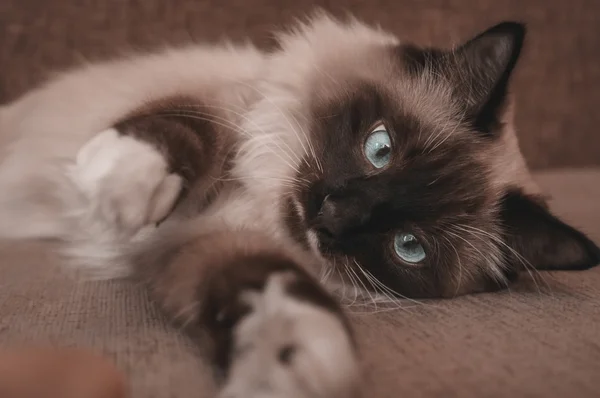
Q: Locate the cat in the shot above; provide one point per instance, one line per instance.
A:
(249, 189)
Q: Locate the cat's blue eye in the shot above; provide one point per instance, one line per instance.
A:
(378, 147)
(408, 248)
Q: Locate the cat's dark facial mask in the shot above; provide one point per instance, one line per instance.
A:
(404, 193)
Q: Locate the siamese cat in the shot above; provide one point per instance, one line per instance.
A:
(249, 190)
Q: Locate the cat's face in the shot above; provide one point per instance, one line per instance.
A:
(385, 198)
(407, 182)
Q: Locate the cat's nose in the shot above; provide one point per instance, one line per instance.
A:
(338, 216)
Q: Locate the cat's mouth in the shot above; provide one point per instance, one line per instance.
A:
(326, 242)
(321, 237)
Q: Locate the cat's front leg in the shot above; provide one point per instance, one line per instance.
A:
(291, 343)
(126, 181)
(133, 173)
(274, 331)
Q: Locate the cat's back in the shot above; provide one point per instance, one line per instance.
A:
(44, 129)
(89, 98)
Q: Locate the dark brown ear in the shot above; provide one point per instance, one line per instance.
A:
(479, 70)
(485, 64)
(541, 239)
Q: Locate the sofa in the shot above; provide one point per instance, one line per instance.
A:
(540, 338)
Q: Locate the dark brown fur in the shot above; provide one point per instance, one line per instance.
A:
(441, 188)
(425, 192)
(186, 132)
(199, 280)
(212, 272)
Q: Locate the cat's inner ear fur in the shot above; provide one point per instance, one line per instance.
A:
(478, 71)
(541, 240)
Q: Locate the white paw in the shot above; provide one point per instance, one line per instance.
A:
(126, 181)
(290, 348)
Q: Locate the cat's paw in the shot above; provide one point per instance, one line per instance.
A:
(126, 181)
(291, 344)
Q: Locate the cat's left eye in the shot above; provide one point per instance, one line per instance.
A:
(408, 248)
(378, 147)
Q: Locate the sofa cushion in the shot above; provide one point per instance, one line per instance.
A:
(538, 339)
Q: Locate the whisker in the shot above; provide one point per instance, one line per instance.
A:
(529, 268)
(462, 118)
(285, 117)
(354, 285)
(390, 290)
(363, 285)
(195, 110)
(235, 127)
(381, 295)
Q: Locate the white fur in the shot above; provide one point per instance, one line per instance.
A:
(42, 133)
(123, 186)
(324, 364)
(277, 123)
(126, 181)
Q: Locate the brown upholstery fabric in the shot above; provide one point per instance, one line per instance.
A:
(557, 84)
(532, 341)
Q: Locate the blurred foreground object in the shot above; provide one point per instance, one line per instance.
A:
(45, 372)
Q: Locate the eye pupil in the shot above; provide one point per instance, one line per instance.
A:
(384, 151)
(378, 147)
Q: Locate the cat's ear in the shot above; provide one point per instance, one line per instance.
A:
(480, 70)
(542, 241)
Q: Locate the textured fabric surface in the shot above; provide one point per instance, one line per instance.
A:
(556, 84)
(536, 340)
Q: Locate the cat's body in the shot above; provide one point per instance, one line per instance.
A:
(72, 169)
(395, 169)
(43, 131)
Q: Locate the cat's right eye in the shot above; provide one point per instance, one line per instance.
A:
(378, 147)
(408, 248)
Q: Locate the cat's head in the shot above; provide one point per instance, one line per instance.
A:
(410, 178)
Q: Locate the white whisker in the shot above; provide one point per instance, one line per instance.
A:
(529, 268)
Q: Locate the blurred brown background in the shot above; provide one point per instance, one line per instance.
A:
(557, 83)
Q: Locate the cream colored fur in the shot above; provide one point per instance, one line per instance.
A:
(325, 366)
(41, 133)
